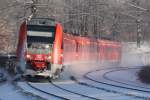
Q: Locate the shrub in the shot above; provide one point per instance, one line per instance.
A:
(144, 74)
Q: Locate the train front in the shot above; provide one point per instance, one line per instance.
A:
(41, 48)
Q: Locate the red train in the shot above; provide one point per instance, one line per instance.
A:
(84, 49)
(39, 50)
(43, 48)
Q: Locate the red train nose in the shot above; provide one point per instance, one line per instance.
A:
(39, 65)
(39, 61)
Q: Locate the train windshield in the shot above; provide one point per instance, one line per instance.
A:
(39, 48)
(40, 34)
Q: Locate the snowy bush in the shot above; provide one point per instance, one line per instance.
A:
(144, 74)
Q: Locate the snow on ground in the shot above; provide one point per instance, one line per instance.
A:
(71, 86)
(123, 91)
(9, 92)
(131, 47)
(131, 79)
(134, 56)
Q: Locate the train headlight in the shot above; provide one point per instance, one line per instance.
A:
(49, 58)
(47, 46)
(28, 56)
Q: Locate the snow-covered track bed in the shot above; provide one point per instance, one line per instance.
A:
(95, 85)
(71, 90)
(39, 89)
(58, 91)
(110, 91)
(134, 84)
(77, 90)
(27, 93)
(100, 79)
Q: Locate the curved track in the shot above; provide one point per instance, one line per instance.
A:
(106, 83)
(93, 98)
(51, 94)
(89, 78)
(125, 83)
(114, 85)
(27, 93)
(63, 89)
(109, 90)
(94, 87)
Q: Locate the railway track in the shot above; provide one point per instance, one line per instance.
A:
(51, 94)
(82, 95)
(91, 86)
(87, 77)
(96, 87)
(109, 84)
(110, 79)
(61, 97)
(109, 90)
(48, 93)
(24, 92)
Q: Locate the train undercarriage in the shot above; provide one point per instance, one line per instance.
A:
(52, 72)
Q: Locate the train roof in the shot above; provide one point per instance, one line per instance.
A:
(42, 22)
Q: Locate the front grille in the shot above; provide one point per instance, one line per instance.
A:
(38, 60)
